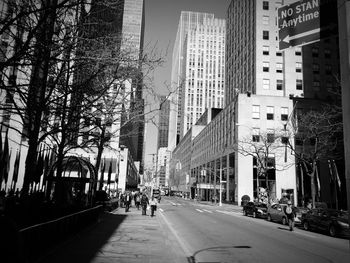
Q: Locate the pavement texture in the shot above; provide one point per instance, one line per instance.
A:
(120, 237)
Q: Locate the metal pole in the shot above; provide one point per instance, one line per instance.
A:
(344, 50)
(220, 197)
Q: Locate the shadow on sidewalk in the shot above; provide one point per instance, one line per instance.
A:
(85, 245)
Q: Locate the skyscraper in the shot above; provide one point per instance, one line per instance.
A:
(163, 129)
(197, 71)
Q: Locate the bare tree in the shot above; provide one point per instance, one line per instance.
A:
(269, 153)
(318, 138)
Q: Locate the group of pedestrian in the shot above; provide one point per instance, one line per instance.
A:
(145, 202)
(140, 200)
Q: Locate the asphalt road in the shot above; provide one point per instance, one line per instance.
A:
(222, 234)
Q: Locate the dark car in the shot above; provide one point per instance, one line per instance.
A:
(333, 222)
(255, 209)
(276, 213)
(102, 198)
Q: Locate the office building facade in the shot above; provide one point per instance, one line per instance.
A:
(198, 50)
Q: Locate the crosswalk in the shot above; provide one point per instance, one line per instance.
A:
(201, 210)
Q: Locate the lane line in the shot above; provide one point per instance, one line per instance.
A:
(208, 211)
(185, 247)
(161, 210)
(199, 210)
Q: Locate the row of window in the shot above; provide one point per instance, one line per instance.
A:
(279, 67)
(270, 112)
(279, 84)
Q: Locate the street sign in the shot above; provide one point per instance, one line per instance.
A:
(306, 21)
(298, 23)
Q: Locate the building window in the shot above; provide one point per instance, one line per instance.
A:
(314, 52)
(278, 53)
(270, 136)
(298, 66)
(299, 84)
(279, 67)
(316, 85)
(265, 5)
(327, 53)
(266, 20)
(270, 161)
(266, 84)
(266, 35)
(266, 66)
(284, 114)
(328, 69)
(279, 84)
(270, 113)
(298, 51)
(256, 112)
(266, 50)
(315, 68)
(256, 135)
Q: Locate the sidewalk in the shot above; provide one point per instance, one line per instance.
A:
(121, 237)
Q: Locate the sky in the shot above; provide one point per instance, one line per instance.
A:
(161, 22)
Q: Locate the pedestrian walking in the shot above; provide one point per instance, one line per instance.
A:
(144, 203)
(153, 204)
(137, 201)
(127, 201)
(290, 213)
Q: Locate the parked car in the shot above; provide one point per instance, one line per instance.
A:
(276, 213)
(333, 222)
(255, 209)
(108, 203)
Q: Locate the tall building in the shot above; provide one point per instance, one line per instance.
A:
(132, 134)
(197, 71)
(259, 81)
(163, 129)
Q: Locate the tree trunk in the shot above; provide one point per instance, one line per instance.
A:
(37, 86)
(313, 187)
(99, 155)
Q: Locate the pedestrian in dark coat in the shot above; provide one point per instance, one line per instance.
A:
(289, 211)
(144, 203)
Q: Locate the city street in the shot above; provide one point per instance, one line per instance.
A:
(222, 234)
(188, 231)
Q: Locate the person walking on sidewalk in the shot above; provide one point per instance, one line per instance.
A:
(144, 203)
(290, 213)
(127, 201)
(137, 201)
(153, 204)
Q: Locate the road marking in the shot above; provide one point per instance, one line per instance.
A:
(172, 203)
(208, 211)
(183, 244)
(161, 210)
(199, 210)
(304, 234)
(228, 213)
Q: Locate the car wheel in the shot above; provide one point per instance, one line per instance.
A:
(332, 231)
(306, 225)
(254, 214)
(284, 221)
(269, 218)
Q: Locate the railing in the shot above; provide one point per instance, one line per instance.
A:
(37, 239)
